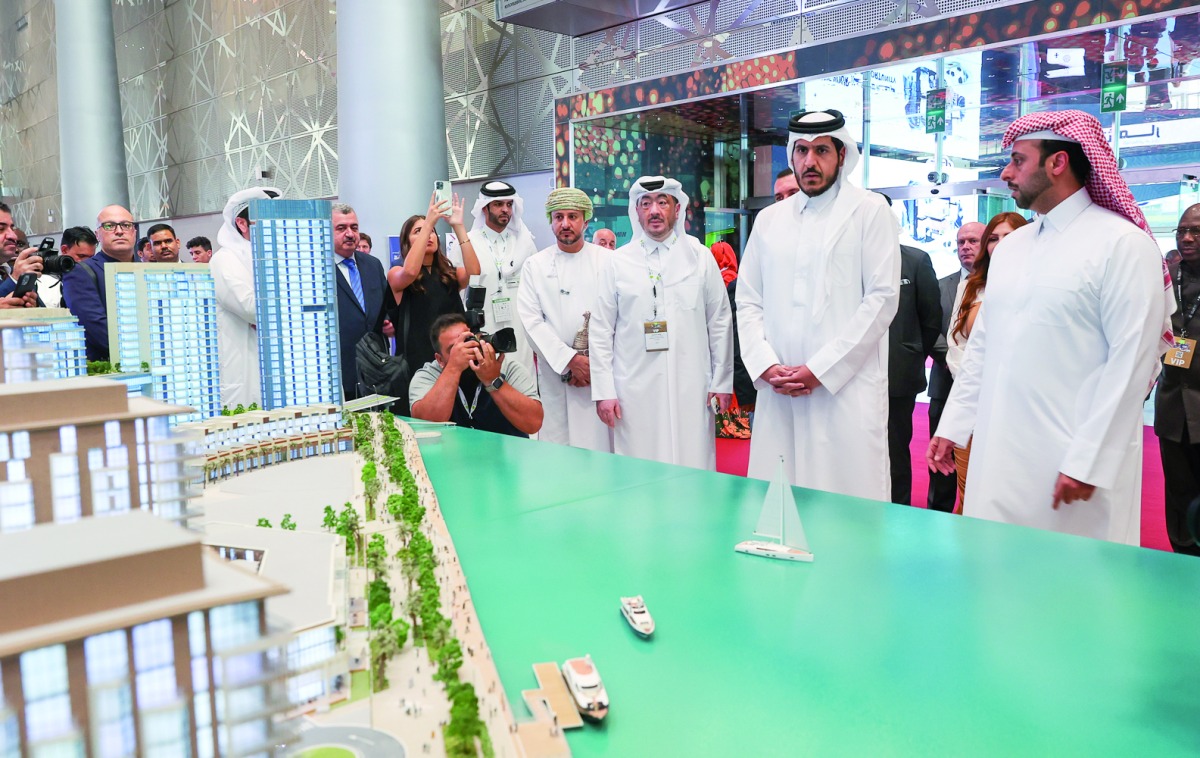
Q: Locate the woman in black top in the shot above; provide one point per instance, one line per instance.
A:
(428, 284)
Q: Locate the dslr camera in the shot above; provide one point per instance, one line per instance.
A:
(504, 340)
(53, 263)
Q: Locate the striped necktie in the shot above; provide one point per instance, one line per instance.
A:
(355, 283)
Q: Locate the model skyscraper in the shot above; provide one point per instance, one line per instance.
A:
(296, 296)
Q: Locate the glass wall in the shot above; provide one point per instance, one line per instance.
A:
(726, 150)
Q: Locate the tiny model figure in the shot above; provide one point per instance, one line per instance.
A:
(586, 689)
(634, 611)
(780, 523)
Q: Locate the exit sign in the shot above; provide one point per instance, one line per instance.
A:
(935, 111)
(1113, 82)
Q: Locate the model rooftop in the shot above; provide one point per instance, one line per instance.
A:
(55, 402)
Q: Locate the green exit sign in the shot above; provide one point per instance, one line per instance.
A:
(1113, 83)
(935, 111)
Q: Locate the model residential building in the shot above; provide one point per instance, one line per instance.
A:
(41, 343)
(296, 298)
(124, 636)
(71, 448)
(164, 316)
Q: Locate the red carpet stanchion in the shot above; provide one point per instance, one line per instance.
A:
(733, 457)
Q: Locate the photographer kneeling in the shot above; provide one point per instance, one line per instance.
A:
(469, 384)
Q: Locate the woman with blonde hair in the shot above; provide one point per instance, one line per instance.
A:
(966, 308)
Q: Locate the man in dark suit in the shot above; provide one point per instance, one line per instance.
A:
(943, 488)
(912, 337)
(1177, 403)
(361, 284)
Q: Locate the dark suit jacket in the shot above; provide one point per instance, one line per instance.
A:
(353, 321)
(940, 379)
(1177, 403)
(917, 325)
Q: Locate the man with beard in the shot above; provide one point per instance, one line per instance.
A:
(556, 299)
(164, 243)
(817, 291)
(1066, 344)
(233, 280)
(1177, 403)
(502, 243)
(18, 261)
(661, 340)
(361, 284)
(471, 385)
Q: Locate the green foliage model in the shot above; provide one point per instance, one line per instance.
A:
(264, 523)
(287, 523)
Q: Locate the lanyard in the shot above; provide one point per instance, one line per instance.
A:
(474, 403)
(498, 260)
(655, 276)
(1191, 312)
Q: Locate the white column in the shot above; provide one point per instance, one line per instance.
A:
(391, 112)
(91, 142)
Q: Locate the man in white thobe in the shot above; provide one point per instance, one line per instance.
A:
(817, 290)
(503, 243)
(1065, 346)
(555, 301)
(232, 270)
(661, 338)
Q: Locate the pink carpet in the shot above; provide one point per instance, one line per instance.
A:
(733, 457)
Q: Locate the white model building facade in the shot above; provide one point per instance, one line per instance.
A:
(165, 316)
(296, 297)
(41, 343)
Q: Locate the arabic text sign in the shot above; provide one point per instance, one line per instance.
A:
(1114, 77)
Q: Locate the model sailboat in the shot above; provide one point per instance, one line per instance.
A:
(780, 523)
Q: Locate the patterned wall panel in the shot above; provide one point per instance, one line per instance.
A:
(29, 114)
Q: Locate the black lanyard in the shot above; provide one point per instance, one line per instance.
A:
(1191, 312)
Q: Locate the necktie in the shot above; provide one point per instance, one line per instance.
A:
(355, 283)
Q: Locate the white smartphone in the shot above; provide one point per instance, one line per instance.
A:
(442, 190)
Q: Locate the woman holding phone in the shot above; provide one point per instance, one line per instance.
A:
(428, 284)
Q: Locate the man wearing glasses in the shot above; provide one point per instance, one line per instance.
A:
(1177, 404)
(83, 288)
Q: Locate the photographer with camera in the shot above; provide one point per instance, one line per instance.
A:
(472, 385)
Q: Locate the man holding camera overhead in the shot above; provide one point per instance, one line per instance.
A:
(470, 384)
(661, 336)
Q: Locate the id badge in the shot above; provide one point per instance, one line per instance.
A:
(656, 336)
(502, 308)
(1180, 356)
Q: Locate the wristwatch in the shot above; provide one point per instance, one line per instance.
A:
(495, 384)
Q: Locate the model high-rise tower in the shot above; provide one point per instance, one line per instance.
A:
(296, 297)
(165, 315)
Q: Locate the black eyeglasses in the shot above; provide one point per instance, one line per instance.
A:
(1184, 230)
(125, 226)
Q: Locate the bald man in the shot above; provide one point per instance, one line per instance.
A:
(83, 288)
(605, 238)
(943, 488)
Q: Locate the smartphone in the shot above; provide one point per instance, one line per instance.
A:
(714, 404)
(442, 190)
(26, 284)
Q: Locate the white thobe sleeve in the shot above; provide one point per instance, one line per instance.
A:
(757, 354)
(233, 291)
(1131, 318)
(535, 285)
(720, 325)
(840, 359)
(602, 332)
(958, 417)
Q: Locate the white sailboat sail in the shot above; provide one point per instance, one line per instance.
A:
(793, 530)
(770, 521)
(780, 524)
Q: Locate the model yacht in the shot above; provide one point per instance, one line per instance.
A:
(586, 689)
(780, 523)
(634, 611)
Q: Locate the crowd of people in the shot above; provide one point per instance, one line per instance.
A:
(1043, 346)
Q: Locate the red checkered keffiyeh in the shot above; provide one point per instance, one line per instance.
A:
(1106, 187)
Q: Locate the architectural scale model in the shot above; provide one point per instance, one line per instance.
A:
(586, 687)
(296, 298)
(173, 657)
(639, 618)
(74, 448)
(165, 316)
(41, 343)
(779, 522)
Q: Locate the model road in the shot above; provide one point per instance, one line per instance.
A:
(368, 743)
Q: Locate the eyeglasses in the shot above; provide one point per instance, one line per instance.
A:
(1185, 230)
(125, 226)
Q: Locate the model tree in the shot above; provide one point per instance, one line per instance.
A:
(331, 520)
(371, 487)
(377, 556)
(264, 523)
